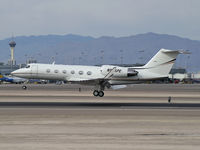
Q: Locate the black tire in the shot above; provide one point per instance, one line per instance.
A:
(24, 87)
(101, 93)
(96, 93)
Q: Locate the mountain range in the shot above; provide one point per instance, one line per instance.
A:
(87, 50)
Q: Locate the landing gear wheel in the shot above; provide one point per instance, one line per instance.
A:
(24, 87)
(96, 93)
(101, 93)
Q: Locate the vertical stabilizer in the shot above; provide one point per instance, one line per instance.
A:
(162, 62)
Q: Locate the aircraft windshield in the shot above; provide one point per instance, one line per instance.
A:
(28, 66)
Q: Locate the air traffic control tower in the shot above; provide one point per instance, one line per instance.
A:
(12, 46)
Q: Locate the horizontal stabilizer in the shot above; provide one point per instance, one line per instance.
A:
(176, 51)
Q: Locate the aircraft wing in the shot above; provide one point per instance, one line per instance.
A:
(77, 79)
(88, 81)
(96, 81)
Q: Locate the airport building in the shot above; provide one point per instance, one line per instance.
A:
(7, 69)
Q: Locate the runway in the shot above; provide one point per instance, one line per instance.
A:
(99, 105)
(145, 95)
(60, 117)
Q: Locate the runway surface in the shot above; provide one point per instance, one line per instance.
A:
(98, 105)
(139, 117)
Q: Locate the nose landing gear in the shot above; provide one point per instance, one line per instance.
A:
(24, 87)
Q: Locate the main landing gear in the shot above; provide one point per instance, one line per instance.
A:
(99, 88)
(98, 93)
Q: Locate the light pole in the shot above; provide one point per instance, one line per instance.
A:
(82, 56)
(102, 55)
(121, 57)
(79, 60)
(141, 57)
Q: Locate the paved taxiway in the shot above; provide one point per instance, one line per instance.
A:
(61, 117)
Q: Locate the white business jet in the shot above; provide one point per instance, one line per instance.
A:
(103, 76)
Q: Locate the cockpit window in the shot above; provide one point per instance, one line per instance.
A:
(28, 66)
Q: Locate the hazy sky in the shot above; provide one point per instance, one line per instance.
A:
(100, 17)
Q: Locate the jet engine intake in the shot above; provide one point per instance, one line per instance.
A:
(132, 72)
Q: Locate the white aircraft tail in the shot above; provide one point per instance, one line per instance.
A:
(162, 62)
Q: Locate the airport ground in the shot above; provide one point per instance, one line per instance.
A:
(62, 117)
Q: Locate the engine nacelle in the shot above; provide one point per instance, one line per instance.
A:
(116, 71)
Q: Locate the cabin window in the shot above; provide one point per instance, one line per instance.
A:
(81, 72)
(72, 72)
(48, 70)
(64, 71)
(28, 66)
(89, 73)
(56, 71)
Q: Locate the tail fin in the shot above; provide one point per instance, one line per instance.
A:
(1, 76)
(163, 61)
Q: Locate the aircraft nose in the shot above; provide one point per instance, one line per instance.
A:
(17, 73)
(14, 72)
(23, 73)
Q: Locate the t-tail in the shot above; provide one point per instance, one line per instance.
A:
(1, 76)
(163, 61)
